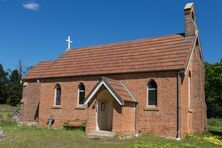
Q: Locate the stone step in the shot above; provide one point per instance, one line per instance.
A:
(100, 134)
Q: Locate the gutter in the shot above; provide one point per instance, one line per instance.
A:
(178, 137)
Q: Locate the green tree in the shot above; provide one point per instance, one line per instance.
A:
(213, 89)
(3, 85)
(15, 87)
(20, 68)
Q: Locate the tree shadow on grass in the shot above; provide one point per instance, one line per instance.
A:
(216, 133)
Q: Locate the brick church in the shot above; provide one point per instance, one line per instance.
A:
(153, 85)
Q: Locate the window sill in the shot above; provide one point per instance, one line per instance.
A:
(151, 109)
(57, 107)
(190, 110)
(80, 107)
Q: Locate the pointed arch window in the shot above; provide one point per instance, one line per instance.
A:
(152, 93)
(81, 94)
(58, 92)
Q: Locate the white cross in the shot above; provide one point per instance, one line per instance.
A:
(68, 40)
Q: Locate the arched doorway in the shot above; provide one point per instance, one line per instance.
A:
(104, 110)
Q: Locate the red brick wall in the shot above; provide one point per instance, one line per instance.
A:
(29, 108)
(198, 104)
(124, 118)
(195, 120)
(189, 26)
(161, 121)
(69, 109)
(91, 114)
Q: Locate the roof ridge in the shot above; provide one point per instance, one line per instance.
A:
(45, 61)
(131, 52)
(123, 47)
(123, 42)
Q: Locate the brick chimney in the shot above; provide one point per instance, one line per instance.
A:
(190, 20)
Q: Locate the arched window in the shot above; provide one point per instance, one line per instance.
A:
(81, 94)
(152, 93)
(58, 93)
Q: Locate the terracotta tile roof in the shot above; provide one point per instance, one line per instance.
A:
(121, 89)
(117, 88)
(38, 70)
(153, 54)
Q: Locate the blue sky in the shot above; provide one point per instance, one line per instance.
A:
(36, 30)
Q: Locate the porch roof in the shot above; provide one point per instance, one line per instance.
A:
(117, 88)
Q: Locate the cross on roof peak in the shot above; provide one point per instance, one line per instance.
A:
(68, 40)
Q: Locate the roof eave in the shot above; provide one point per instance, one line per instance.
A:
(100, 74)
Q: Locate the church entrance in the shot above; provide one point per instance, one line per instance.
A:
(104, 111)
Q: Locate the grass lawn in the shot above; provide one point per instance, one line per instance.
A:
(6, 112)
(24, 136)
(34, 137)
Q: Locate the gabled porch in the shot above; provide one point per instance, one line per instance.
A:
(111, 108)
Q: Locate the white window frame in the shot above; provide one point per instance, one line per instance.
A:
(148, 96)
(55, 94)
(78, 96)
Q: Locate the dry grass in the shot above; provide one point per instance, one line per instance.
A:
(6, 112)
